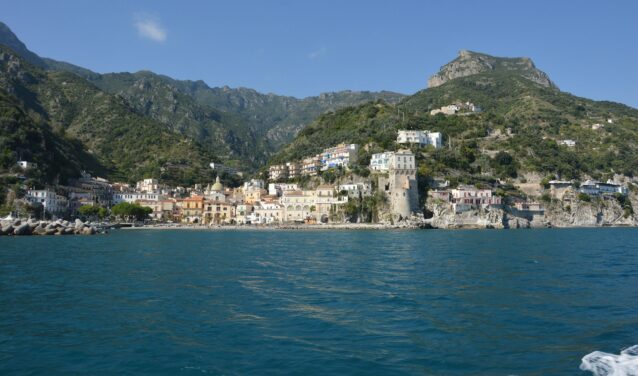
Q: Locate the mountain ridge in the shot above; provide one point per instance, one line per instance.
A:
(469, 63)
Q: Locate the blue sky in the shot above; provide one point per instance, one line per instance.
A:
(303, 48)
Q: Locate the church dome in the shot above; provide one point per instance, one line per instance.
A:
(218, 187)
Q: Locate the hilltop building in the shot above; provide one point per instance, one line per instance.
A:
(342, 155)
(421, 138)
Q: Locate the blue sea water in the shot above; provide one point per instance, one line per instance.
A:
(526, 302)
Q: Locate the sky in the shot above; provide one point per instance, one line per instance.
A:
(303, 48)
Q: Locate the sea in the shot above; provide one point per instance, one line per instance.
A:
(321, 302)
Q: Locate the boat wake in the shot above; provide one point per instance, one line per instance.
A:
(605, 364)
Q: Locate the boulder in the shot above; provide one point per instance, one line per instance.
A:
(49, 231)
(39, 231)
(7, 230)
(89, 231)
(78, 223)
(23, 229)
(17, 223)
(69, 231)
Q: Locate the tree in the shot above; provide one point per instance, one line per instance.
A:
(129, 212)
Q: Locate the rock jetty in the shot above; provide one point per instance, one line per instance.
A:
(20, 227)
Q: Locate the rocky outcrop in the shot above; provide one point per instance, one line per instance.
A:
(598, 213)
(469, 63)
(445, 217)
(588, 214)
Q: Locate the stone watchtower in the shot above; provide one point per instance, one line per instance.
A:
(401, 185)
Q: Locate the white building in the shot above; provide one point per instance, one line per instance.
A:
(568, 143)
(400, 160)
(342, 155)
(595, 188)
(52, 202)
(148, 186)
(277, 189)
(222, 168)
(421, 138)
(356, 190)
(380, 161)
(267, 213)
(277, 172)
(26, 165)
(132, 197)
(597, 126)
(447, 110)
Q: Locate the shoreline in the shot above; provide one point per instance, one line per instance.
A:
(351, 226)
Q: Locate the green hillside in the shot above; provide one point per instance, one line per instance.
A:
(127, 145)
(517, 131)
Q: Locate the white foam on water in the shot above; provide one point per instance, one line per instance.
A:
(605, 364)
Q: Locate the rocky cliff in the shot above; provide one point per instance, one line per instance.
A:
(598, 213)
(470, 63)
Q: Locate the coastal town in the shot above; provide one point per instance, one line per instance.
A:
(299, 193)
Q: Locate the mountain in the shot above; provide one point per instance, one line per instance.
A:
(515, 136)
(275, 117)
(262, 123)
(239, 127)
(63, 106)
(24, 138)
(470, 63)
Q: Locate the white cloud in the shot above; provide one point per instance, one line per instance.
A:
(150, 27)
(318, 53)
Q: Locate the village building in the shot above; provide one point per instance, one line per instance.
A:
(242, 212)
(310, 166)
(421, 138)
(277, 189)
(218, 212)
(132, 197)
(597, 126)
(294, 170)
(298, 205)
(267, 213)
(380, 161)
(278, 172)
(356, 190)
(452, 109)
(595, 188)
(342, 155)
(26, 165)
(327, 201)
(52, 202)
(468, 198)
(439, 195)
(253, 184)
(191, 209)
(148, 186)
(568, 143)
(446, 110)
(220, 168)
(89, 188)
(531, 206)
